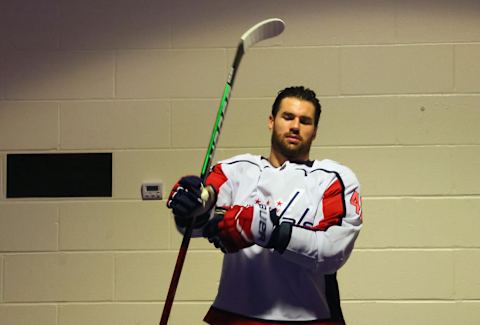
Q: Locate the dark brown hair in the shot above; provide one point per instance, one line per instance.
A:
(299, 92)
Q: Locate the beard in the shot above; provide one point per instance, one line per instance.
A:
(291, 151)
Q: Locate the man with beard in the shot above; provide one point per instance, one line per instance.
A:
(285, 223)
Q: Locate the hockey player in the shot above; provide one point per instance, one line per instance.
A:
(285, 223)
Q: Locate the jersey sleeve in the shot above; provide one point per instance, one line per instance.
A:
(221, 184)
(325, 247)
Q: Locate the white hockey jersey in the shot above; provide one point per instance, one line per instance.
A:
(322, 200)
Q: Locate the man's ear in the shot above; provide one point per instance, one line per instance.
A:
(270, 122)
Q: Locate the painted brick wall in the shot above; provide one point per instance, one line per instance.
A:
(399, 83)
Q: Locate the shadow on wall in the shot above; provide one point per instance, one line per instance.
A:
(49, 40)
(41, 39)
(66, 49)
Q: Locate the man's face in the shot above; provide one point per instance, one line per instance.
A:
(293, 128)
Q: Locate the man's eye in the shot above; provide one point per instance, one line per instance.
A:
(306, 121)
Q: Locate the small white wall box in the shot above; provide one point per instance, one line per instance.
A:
(152, 191)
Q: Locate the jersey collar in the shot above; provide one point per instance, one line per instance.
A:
(308, 163)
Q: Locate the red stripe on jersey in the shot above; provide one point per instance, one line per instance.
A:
(333, 206)
(216, 316)
(216, 178)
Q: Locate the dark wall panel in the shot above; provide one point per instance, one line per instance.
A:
(59, 175)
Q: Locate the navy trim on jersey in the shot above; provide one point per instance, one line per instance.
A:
(288, 205)
(333, 296)
(308, 163)
(342, 184)
(316, 170)
(240, 161)
(303, 170)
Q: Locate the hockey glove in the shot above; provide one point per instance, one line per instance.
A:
(186, 202)
(238, 227)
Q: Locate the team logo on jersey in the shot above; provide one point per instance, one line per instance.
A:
(286, 210)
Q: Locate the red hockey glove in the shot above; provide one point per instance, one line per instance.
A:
(186, 202)
(238, 227)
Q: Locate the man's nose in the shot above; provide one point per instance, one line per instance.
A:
(295, 126)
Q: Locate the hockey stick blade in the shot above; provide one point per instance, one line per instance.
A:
(263, 30)
(266, 29)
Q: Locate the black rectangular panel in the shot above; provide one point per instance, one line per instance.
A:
(59, 175)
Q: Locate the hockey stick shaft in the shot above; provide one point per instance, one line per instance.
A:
(222, 110)
(263, 30)
(203, 175)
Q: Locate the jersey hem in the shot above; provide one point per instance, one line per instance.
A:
(216, 316)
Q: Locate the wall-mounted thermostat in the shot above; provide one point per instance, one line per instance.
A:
(152, 191)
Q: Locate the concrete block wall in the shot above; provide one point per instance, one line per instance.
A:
(400, 87)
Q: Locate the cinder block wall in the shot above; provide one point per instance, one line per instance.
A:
(399, 83)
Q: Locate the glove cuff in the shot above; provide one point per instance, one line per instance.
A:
(262, 225)
(281, 237)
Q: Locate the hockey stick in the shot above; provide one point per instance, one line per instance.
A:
(264, 30)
